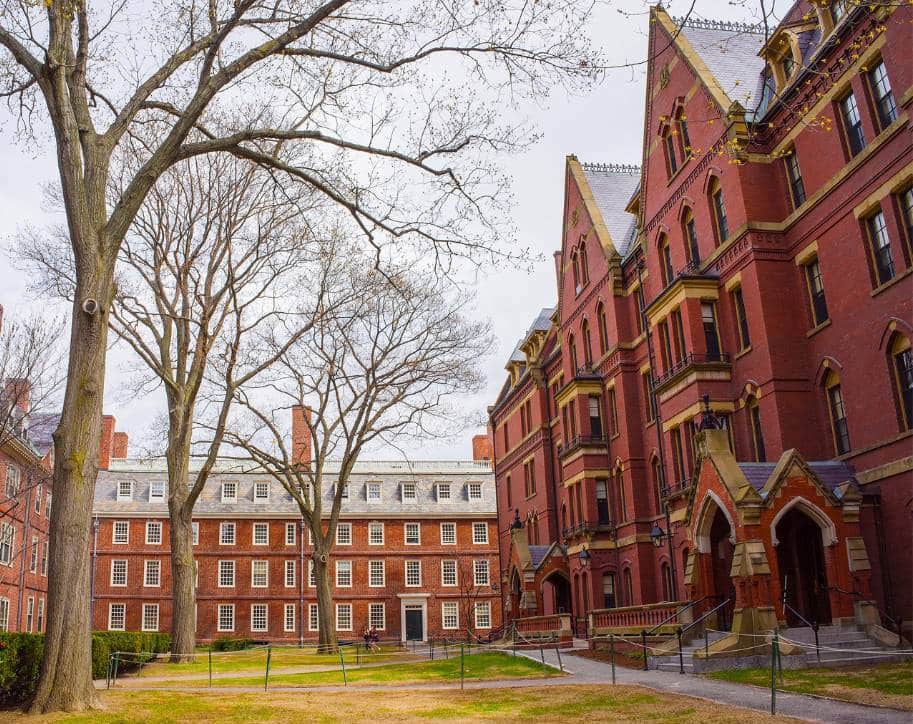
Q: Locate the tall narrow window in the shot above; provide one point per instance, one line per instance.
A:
(684, 139)
(738, 303)
(595, 416)
(608, 590)
(603, 329)
(816, 292)
(613, 412)
(584, 267)
(852, 124)
(711, 332)
(837, 411)
(788, 64)
(602, 501)
(881, 248)
(665, 344)
(721, 222)
(665, 260)
(671, 160)
(621, 503)
(572, 349)
(884, 97)
(648, 396)
(796, 185)
(678, 455)
(657, 484)
(666, 572)
(902, 359)
(757, 432)
(575, 263)
(678, 330)
(587, 345)
(694, 254)
(906, 208)
(629, 587)
(838, 10)
(639, 316)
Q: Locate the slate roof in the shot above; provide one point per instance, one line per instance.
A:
(537, 554)
(613, 185)
(41, 429)
(831, 473)
(390, 474)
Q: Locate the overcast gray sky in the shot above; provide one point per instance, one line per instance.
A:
(604, 126)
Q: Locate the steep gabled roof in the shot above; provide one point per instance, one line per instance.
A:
(611, 187)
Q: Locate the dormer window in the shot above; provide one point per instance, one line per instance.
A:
(372, 492)
(475, 491)
(788, 63)
(261, 491)
(443, 492)
(125, 490)
(229, 491)
(408, 491)
(156, 490)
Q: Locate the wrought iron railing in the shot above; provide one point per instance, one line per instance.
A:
(580, 441)
(689, 360)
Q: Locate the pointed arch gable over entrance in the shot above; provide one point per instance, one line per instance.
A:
(824, 522)
(705, 518)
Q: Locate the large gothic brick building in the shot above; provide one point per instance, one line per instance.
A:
(758, 259)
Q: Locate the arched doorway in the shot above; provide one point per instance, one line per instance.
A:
(721, 550)
(556, 593)
(803, 574)
(515, 593)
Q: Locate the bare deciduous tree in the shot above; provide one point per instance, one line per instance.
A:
(356, 85)
(379, 369)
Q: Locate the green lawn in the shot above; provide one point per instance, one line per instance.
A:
(254, 660)
(884, 684)
(488, 665)
(551, 704)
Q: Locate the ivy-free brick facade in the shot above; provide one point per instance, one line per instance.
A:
(758, 258)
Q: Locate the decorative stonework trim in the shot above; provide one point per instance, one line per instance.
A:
(828, 529)
(705, 522)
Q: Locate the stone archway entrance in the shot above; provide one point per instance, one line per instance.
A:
(721, 550)
(802, 567)
(556, 594)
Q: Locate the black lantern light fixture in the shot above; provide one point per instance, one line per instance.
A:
(658, 535)
(584, 557)
(516, 524)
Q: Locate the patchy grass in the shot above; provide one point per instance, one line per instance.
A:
(483, 666)
(883, 684)
(546, 704)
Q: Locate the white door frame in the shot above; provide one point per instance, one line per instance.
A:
(413, 599)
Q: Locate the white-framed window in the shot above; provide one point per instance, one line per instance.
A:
(377, 574)
(150, 617)
(259, 574)
(412, 534)
(156, 490)
(226, 533)
(313, 617)
(343, 534)
(475, 491)
(343, 616)
(33, 555)
(117, 616)
(288, 617)
(40, 623)
(261, 491)
(480, 573)
(47, 506)
(226, 574)
(7, 537)
(448, 534)
(261, 534)
(29, 614)
(443, 492)
(4, 614)
(377, 616)
(483, 614)
(195, 532)
(480, 533)
(375, 533)
(407, 491)
(121, 532)
(229, 491)
(312, 574)
(44, 558)
(152, 573)
(119, 572)
(290, 573)
(448, 573)
(310, 537)
(290, 534)
(125, 490)
(154, 532)
(344, 495)
(226, 617)
(12, 481)
(372, 492)
(259, 617)
(344, 574)
(38, 499)
(450, 615)
(413, 573)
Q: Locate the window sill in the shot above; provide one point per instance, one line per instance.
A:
(615, 436)
(814, 330)
(891, 282)
(743, 352)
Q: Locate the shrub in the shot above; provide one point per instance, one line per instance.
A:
(226, 643)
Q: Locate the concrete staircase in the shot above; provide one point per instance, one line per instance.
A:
(839, 646)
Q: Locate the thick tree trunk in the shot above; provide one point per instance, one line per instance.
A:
(183, 578)
(66, 668)
(326, 613)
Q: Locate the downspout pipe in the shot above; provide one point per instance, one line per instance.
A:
(301, 576)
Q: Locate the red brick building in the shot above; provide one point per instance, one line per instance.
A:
(416, 552)
(760, 257)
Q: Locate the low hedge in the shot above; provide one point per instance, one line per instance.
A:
(20, 658)
(226, 643)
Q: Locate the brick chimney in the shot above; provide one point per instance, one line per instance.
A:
(18, 390)
(119, 444)
(481, 448)
(301, 435)
(107, 441)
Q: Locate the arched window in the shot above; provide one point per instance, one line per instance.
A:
(629, 587)
(587, 345)
(755, 429)
(584, 267)
(608, 590)
(718, 207)
(837, 413)
(666, 575)
(603, 330)
(657, 485)
(684, 140)
(564, 515)
(669, 144)
(689, 231)
(665, 260)
(902, 369)
(575, 264)
(621, 504)
(572, 350)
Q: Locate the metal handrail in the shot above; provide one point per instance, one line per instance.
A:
(685, 629)
(895, 622)
(644, 633)
(811, 624)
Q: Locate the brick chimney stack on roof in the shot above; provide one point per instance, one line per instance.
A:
(108, 424)
(119, 444)
(301, 435)
(481, 448)
(19, 391)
